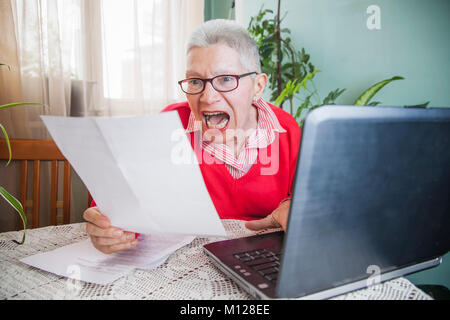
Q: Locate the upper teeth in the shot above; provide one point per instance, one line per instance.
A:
(212, 113)
(220, 125)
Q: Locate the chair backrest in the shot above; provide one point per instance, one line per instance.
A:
(37, 151)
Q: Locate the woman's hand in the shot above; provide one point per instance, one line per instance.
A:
(105, 238)
(278, 218)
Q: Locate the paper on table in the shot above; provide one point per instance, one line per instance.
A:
(81, 261)
(141, 171)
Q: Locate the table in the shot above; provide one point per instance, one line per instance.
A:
(187, 273)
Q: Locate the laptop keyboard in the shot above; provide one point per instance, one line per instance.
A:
(263, 261)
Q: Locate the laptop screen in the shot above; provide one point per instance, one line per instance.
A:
(371, 191)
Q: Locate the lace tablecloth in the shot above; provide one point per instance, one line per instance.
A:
(187, 273)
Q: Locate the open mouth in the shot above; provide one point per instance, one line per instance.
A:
(216, 120)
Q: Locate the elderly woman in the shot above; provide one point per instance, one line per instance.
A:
(247, 147)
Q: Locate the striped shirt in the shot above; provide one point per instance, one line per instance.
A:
(262, 137)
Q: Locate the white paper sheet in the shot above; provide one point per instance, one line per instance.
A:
(81, 261)
(141, 171)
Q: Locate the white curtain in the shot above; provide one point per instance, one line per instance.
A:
(44, 35)
(88, 58)
(115, 57)
(144, 53)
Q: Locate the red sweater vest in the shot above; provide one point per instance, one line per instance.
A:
(267, 183)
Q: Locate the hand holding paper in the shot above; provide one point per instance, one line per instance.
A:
(104, 237)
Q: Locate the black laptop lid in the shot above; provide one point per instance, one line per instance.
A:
(372, 189)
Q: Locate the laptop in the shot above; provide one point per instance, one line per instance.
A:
(371, 202)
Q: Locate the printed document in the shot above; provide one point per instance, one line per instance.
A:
(141, 172)
(81, 261)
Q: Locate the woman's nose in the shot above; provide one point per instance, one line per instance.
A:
(209, 94)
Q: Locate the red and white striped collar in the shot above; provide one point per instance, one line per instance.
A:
(262, 137)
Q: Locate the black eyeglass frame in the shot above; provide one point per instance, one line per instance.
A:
(210, 80)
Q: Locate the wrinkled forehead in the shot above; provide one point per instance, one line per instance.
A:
(213, 60)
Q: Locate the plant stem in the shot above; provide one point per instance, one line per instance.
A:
(316, 92)
(277, 61)
(293, 71)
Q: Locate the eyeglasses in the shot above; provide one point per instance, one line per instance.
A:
(221, 83)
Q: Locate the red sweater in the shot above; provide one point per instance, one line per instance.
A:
(260, 191)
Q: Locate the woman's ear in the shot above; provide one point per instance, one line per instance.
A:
(260, 83)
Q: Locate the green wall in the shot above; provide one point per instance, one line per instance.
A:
(218, 9)
(413, 42)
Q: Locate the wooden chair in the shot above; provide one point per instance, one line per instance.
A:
(37, 151)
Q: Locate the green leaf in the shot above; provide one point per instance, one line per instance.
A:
(284, 93)
(308, 77)
(19, 104)
(365, 97)
(7, 142)
(304, 105)
(3, 128)
(2, 64)
(18, 207)
(332, 96)
(423, 105)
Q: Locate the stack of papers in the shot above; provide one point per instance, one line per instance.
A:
(81, 261)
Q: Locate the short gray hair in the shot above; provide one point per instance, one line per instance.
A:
(231, 33)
